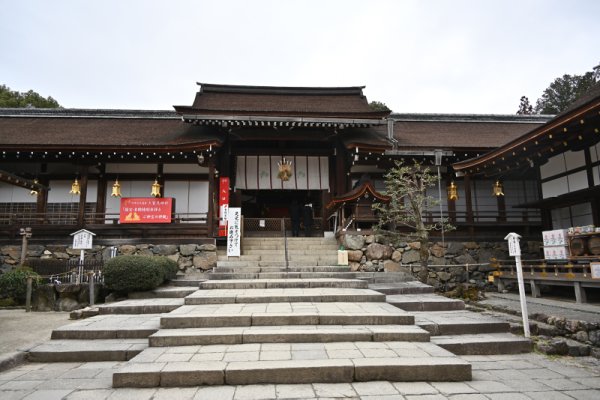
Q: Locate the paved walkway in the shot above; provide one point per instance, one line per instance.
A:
(569, 310)
(502, 377)
(520, 376)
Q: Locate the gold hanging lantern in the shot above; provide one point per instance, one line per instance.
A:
(452, 191)
(155, 189)
(498, 189)
(34, 191)
(75, 187)
(116, 189)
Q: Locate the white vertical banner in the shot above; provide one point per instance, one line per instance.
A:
(234, 231)
(301, 171)
(264, 173)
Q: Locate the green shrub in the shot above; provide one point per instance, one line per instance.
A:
(169, 267)
(126, 274)
(13, 284)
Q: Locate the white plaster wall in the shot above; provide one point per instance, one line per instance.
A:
(15, 194)
(59, 192)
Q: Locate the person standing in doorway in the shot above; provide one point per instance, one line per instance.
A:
(295, 217)
(307, 217)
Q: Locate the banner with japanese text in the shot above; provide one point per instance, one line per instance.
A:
(145, 210)
(234, 231)
(223, 205)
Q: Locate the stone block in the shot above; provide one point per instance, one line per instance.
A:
(139, 375)
(127, 249)
(190, 373)
(355, 255)
(165, 249)
(354, 242)
(376, 251)
(442, 369)
(187, 249)
(293, 371)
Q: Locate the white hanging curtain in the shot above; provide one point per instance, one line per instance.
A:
(260, 172)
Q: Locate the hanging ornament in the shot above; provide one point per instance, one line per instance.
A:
(452, 191)
(116, 189)
(75, 188)
(285, 169)
(155, 189)
(34, 191)
(498, 189)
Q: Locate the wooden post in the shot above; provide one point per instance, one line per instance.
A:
(211, 200)
(82, 198)
(28, 296)
(91, 287)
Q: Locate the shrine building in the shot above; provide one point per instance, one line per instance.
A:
(142, 176)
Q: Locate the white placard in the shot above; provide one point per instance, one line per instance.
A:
(234, 231)
(82, 239)
(514, 249)
(595, 267)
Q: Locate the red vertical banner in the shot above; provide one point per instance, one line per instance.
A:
(223, 205)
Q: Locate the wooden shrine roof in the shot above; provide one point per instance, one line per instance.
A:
(355, 194)
(65, 128)
(315, 102)
(573, 129)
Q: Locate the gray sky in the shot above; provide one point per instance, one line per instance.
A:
(443, 56)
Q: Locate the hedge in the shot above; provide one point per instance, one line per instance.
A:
(124, 274)
(13, 284)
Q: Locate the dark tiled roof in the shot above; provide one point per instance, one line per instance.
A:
(458, 134)
(343, 102)
(97, 128)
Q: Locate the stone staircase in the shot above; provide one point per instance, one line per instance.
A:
(252, 320)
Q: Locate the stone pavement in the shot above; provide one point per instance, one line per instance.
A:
(498, 377)
(570, 310)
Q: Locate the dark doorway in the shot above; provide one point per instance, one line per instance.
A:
(276, 203)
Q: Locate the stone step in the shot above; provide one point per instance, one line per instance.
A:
(442, 323)
(87, 350)
(484, 344)
(189, 281)
(141, 306)
(410, 287)
(425, 302)
(279, 268)
(281, 275)
(385, 277)
(164, 293)
(243, 257)
(289, 363)
(110, 326)
(283, 283)
(239, 264)
(224, 296)
(288, 334)
(263, 314)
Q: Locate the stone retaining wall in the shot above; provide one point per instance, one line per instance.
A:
(188, 256)
(371, 253)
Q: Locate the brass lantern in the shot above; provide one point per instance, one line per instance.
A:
(155, 189)
(498, 189)
(75, 187)
(34, 191)
(452, 191)
(116, 189)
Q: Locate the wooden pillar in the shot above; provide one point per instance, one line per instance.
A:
(341, 170)
(469, 204)
(42, 201)
(82, 197)
(501, 208)
(210, 229)
(468, 199)
(101, 196)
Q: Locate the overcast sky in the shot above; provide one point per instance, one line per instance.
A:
(442, 56)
